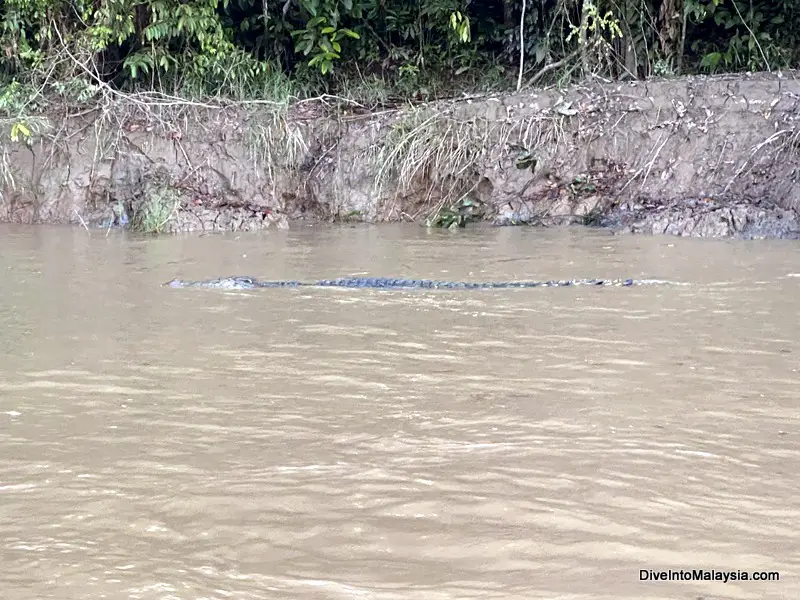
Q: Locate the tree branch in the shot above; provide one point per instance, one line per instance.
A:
(547, 68)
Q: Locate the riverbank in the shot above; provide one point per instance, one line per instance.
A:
(699, 156)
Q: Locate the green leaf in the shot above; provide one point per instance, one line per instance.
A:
(17, 129)
(350, 33)
(712, 59)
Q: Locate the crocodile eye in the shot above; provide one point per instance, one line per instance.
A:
(246, 280)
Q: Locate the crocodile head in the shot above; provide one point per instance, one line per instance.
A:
(226, 283)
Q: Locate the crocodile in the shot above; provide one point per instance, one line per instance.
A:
(250, 283)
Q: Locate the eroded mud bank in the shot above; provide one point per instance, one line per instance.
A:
(694, 156)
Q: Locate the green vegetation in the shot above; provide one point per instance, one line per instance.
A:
(149, 60)
(374, 52)
(159, 203)
(466, 210)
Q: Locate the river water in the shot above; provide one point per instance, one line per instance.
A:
(336, 444)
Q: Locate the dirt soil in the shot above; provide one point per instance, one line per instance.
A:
(699, 156)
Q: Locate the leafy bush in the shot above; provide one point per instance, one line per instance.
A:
(416, 49)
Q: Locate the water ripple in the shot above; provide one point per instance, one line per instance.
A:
(402, 445)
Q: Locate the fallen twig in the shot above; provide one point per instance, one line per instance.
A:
(80, 218)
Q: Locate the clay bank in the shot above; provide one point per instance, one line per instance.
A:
(698, 156)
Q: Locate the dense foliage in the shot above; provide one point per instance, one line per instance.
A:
(379, 50)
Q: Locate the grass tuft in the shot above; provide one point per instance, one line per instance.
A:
(435, 150)
(275, 142)
(159, 204)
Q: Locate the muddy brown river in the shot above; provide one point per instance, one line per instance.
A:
(557, 444)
